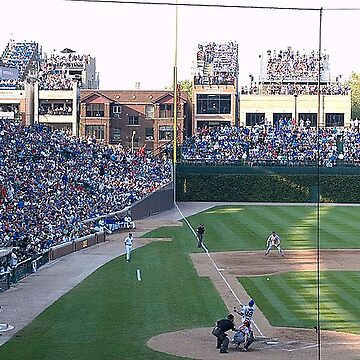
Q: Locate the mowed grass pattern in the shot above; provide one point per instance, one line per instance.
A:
(291, 299)
(111, 315)
(247, 227)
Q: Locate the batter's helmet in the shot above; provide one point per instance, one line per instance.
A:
(251, 302)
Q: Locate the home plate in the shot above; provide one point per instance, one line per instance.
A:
(5, 327)
(221, 269)
(272, 342)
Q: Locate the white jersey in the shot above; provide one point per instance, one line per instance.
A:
(128, 241)
(274, 240)
(247, 312)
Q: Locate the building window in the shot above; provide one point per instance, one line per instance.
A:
(95, 110)
(149, 111)
(255, 119)
(281, 119)
(213, 104)
(305, 118)
(116, 135)
(149, 134)
(95, 131)
(55, 107)
(166, 132)
(334, 119)
(166, 111)
(117, 109)
(133, 120)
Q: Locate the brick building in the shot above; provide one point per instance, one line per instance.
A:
(133, 117)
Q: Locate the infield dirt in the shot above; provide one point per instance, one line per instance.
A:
(271, 342)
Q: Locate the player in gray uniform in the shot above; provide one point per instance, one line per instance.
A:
(274, 240)
(244, 336)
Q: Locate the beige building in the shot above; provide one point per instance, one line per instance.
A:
(57, 108)
(214, 105)
(335, 110)
(16, 104)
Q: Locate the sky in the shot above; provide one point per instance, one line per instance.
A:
(136, 43)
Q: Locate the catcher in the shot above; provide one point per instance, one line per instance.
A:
(244, 336)
(274, 241)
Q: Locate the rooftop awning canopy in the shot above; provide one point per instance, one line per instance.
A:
(67, 51)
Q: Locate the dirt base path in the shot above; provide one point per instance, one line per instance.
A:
(271, 342)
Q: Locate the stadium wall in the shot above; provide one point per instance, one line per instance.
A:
(268, 184)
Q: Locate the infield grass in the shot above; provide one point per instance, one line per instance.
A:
(111, 315)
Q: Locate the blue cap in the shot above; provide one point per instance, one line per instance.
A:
(251, 302)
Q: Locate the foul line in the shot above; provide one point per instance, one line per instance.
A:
(216, 267)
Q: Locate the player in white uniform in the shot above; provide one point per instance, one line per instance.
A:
(128, 245)
(247, 311)
(274, 241)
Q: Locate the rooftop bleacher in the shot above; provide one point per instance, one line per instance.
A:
(20, 55)
(217, 64)
(291, 65)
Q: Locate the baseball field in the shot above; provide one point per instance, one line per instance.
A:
(169, 311)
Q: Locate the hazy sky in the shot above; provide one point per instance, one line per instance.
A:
(135, 43)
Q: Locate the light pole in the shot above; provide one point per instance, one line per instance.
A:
(295, 100)
(132, 141)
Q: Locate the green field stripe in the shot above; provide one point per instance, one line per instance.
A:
(274, 294)
(344, 298)
(296, 294)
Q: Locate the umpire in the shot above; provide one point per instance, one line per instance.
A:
(200, 231)
(220, 332)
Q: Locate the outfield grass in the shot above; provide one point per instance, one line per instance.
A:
(111, 315)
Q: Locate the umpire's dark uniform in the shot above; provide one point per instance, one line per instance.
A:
(220, 332)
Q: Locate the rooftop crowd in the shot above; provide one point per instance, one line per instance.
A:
(51, 184)
(217, 63)
(295, 88)
(288, 64)
(53, 73)
(18, 55)
(284, 144)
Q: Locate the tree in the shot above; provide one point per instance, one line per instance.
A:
(185, 85)
(354, 83)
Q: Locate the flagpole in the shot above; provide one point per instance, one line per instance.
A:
(175, 102)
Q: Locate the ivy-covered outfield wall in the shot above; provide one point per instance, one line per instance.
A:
(282, 184)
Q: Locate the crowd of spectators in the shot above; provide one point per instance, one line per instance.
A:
(334, 88)
(291, 65)
(54, 71)
(217, 64)
(52, 184)
(55, 109)
(284, 144)
(11, 84)
(20, 56)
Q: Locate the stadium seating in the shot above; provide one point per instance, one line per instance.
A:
(52, 184)
(286, 144)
